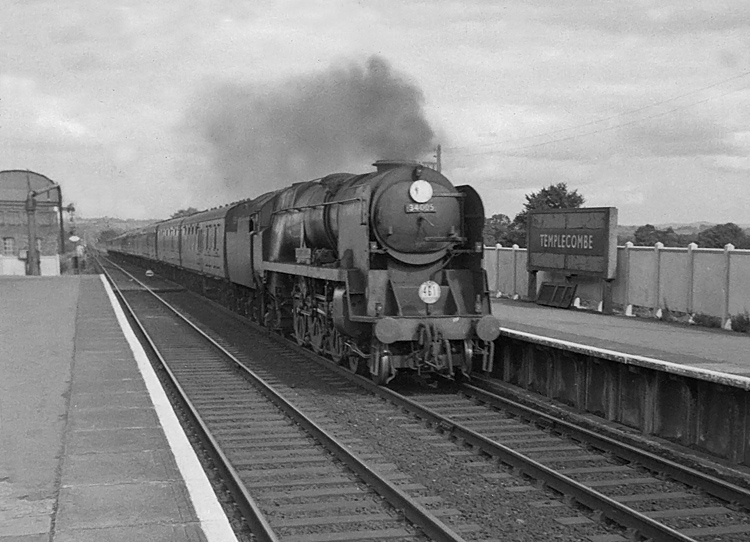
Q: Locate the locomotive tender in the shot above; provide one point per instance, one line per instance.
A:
(380, 271)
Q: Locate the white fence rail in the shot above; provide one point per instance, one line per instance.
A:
(692, 280)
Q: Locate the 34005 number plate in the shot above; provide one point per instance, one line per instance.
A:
(420, 208)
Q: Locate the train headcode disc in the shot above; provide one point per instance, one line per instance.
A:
(429, 291)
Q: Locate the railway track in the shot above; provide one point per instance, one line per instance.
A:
(651, 498)
(293, 480)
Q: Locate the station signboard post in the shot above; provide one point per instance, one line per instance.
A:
(573, 242)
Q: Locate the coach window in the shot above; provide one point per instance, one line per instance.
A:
(9, 246)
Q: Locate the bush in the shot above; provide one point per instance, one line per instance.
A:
(741, 322)
(706, 320)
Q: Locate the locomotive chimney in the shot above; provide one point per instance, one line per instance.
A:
(385, 165)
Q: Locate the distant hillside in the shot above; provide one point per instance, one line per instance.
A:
(90, 228)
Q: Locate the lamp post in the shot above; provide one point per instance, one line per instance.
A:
(32, 255)
(33, 258)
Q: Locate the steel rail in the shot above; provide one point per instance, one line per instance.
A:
(621, 514)
(412, 510)
(717, 487)
(256, 520)
(640, 524)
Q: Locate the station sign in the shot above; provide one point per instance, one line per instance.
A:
(573, 241)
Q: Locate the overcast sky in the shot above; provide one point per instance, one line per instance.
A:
(141, 108)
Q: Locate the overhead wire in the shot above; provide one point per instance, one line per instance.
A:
(599, 121)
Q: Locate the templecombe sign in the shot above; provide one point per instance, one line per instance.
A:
(573, 241)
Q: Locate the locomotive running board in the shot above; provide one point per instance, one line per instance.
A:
(324, 273)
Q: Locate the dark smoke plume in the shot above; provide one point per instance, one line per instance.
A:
(264, 138)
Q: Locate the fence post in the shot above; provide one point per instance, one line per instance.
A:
(498, 293)
(726, 320)
(657, 291)
(626, 279)
(690, 276)
(515, 271)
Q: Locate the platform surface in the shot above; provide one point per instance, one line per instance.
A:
(84, 454)
(690, 346)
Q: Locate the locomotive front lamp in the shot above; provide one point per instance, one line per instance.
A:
(417, 173)
(420, 191)
(478, 246)
(373, 246)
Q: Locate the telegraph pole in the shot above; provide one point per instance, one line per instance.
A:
(439, 158)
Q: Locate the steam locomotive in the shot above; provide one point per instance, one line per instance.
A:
(381, 272)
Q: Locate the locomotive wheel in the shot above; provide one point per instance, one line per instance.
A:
(336, 345)
(253, 310)
(381, 370)
(300, 328)
(356, 363)
(316, 335)
(468, 355)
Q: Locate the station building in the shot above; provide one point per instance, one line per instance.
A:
(15, 189)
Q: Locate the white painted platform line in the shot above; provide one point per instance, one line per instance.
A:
(214, 522)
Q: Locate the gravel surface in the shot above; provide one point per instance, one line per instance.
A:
(482, 500)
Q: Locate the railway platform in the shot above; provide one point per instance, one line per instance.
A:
(90, 449)
(678, 348)
(684, 384)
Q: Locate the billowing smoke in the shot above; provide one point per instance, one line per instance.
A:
(264, 137)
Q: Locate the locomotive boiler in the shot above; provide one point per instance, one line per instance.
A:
(382, 272)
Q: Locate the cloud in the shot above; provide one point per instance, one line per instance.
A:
(732, 164)
(28, 113)
(683, 135)
(267, 136)
(649, 17)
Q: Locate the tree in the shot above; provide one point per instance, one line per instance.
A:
(555, 196)
(722, 234)
(496, 229)
(648, 235)
(184, 212)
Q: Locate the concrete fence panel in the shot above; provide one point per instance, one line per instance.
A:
(642, 279)
(673, 279)
(714, 282)
(709, 282)
(739, 282)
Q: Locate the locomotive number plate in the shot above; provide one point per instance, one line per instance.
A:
(420, 208)
(429, 292)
